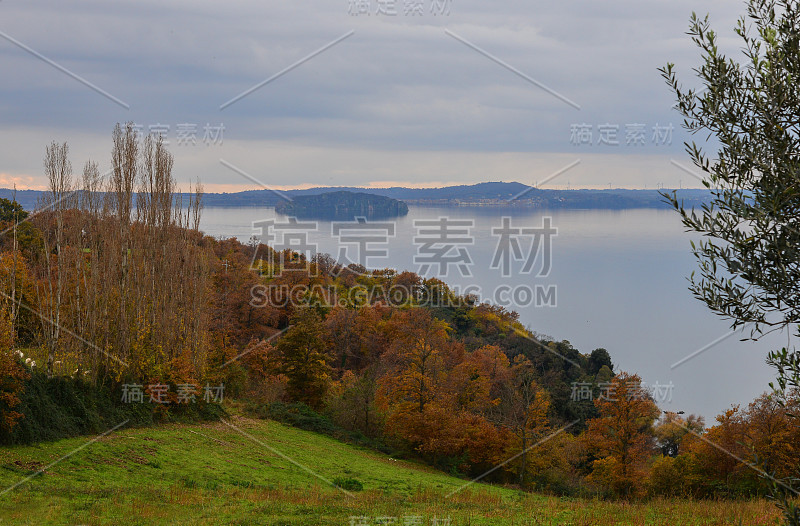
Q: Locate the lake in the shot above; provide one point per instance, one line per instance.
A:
(617, 280)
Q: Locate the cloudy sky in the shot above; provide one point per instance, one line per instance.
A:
(356, 92)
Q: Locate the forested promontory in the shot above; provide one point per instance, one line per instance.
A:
(342, 205)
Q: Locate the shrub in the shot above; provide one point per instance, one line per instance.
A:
(61, 407)
(298, 415)
(348, 483)
(666, 478)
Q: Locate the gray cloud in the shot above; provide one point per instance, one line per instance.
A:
(398, 84)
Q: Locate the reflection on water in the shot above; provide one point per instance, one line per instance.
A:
(620, 279)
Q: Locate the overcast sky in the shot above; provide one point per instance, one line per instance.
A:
(466, 91)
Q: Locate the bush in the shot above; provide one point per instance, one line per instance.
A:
(298, 415)
(666, 478)
(12, 383)
(348, 483)
(62, 407)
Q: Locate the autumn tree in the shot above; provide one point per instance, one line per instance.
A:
(12, 376)
(351, 402)
(415, 364)
(419, 341)
(343, 338)
(773, 435)
(621, 438)
(373, 330)
(732, 456)
(480, 379)
(233, 311)
(404, 289)
(17, 296)
(524, 411)
(672, 428)
(304, 358)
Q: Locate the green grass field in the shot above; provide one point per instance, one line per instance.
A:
(214, 474)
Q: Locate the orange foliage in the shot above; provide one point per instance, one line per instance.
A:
(12, 376)
(621, 438)
(524, 414)
(416, 361)
(764, 436)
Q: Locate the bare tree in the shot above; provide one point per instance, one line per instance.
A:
(57, 201)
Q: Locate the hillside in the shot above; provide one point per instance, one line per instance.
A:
(216, 474)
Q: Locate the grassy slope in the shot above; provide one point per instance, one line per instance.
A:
(212, 474)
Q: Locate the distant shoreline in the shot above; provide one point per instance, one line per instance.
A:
(510, 195)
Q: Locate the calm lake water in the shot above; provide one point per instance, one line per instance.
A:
(620, 282)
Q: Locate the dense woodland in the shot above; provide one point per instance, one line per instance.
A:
(109, 283)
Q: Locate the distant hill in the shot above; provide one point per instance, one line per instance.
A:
(27, 198)
(495, 194)
(342, 205)
(475, 192)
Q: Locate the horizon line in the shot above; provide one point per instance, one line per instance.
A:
(412, 186)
